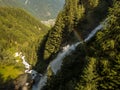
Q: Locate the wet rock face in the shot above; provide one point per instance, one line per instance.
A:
(23, 82)
(37, 79)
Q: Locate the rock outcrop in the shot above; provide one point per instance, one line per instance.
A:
(23, 82)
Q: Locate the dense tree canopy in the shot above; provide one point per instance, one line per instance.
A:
(76, 15)
(96, 64)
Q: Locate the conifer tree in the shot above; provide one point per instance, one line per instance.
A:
(109, 43)
(89, 77)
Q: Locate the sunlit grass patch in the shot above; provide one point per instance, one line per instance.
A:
(9, 72)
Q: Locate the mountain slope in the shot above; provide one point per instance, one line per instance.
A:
(75, 17)
(8, 3)
(95, 64)
(42, 9)
(19, 32)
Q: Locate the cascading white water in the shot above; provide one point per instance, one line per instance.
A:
(93, 32)
(41, 83)
(55, 65)
(57, 62)
(27, 65)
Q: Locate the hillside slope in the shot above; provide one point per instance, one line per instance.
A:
(19, 32)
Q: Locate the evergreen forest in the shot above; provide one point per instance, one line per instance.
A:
(93, 65)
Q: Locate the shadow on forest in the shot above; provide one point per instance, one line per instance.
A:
(41, 63)
(6, 85)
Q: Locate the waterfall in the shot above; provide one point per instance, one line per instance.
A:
(41, 83)
(55, 65)
(93, 32)
(27, 65)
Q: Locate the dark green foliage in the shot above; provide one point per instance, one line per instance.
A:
(54, 39)
(109, 43)
(88, 80)
(105, 49)
(92, 15)
(73, 13)
(75, 16)
(61, 33)
(96, 64)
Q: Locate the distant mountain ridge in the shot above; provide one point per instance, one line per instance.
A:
(15, 3)
(42, 9)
